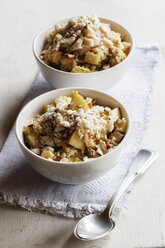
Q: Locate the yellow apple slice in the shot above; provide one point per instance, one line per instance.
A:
(80, 69)
(78, 101)
(75, 141)
(92, 58)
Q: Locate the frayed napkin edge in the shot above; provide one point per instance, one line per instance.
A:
(58, 208)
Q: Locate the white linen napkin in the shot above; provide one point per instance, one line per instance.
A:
(21, 185)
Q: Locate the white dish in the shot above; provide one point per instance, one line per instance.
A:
(101, 80)
(72, 172)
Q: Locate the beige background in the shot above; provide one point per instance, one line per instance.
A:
(143, 225)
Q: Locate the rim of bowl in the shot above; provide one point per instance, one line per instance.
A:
(22, 144)
(65, 72)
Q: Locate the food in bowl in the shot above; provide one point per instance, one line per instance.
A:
(71, 172)
(84, 45)
(74, 129)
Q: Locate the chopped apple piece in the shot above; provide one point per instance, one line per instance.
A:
(89, 42)
(77, 100)
(80, 69)
(47, 154)
(31, 139)
(117, 137)
(115, 113)
(27, 130)
(67, 64)
(92, 58)
(106, 66)
(36, 151)
(121, 125)
(75, 141)
(126, 46)
(56, 56)
(122, 54)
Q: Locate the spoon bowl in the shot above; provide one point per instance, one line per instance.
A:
(95, 226)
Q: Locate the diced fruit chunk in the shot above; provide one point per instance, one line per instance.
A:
(80, 69)
(122, 54)
(36, 151)
(127, 47)
(117, 137)
(77, 100)
(27, 130)
(106, 66)
(47, 154)
(116, 113)
(89, 42)
(75, 141)
(56, 56)
(92, 58)
(31, 139)
(121, 125)
(67, 64)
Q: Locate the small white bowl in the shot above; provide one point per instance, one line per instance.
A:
(101, 80)
(72, 172)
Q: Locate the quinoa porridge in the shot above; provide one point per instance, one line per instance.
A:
(83, 45)
(74, 129)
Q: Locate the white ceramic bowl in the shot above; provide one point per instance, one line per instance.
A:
(101, 80)
(72, 172)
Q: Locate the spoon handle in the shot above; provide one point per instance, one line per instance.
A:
(145, 158)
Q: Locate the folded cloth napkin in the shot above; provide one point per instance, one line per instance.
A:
(21, 185)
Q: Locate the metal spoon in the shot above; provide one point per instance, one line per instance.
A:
(95, 226)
